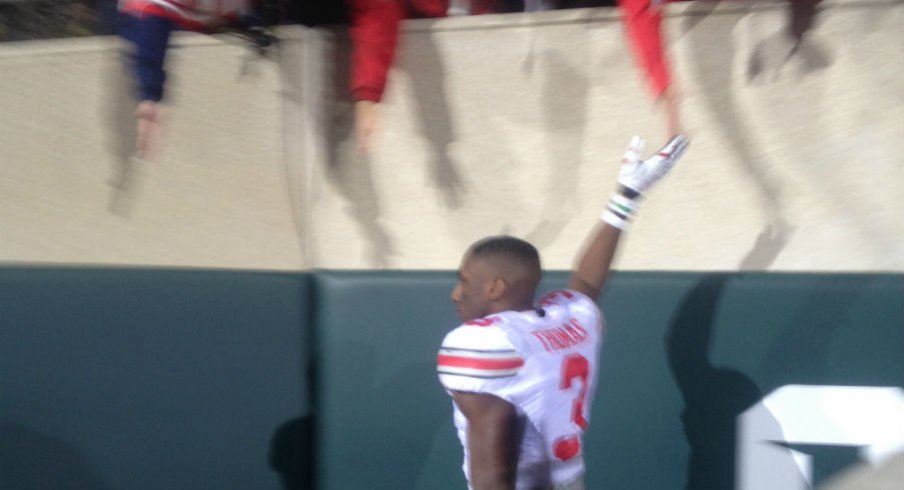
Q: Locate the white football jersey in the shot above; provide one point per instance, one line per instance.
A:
(544, 363)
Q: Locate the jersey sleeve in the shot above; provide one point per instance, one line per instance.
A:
(375, 35)
(566, 298)
(576, 303)
(478, 359)
(149, 35)
(643, 22)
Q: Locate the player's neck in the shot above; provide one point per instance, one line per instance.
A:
(514, 305)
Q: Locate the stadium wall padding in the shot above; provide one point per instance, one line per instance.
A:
(149, 379)
(499, 123)
(140, 379)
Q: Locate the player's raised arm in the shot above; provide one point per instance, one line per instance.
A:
(635, 178)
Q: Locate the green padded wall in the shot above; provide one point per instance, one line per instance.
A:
(150, 379)
(384, 420)
(686, 353)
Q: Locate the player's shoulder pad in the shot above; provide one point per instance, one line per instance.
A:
(562, 297)
(575, 302)
(482, 333)
(478, 349)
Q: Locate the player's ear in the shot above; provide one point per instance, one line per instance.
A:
(497, 289)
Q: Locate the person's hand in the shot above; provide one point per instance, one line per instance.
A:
(365, 124)
(149, 116)
(637, 176)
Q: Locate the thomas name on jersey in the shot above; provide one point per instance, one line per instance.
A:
(568, 335)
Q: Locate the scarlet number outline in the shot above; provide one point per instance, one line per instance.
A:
(574, 366)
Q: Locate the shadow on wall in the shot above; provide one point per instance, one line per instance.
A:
(382, 429)
(30, 460)
(322, 108)
(714, 74)
(791, 43)
(318, 124)
(713, 396)
(350, 173)
(119, 112)
(796, 54)
(805, 341)
(429, 86)
(293, 453)
(800, 355)
(564, 123)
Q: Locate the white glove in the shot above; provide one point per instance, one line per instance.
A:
(637, 176)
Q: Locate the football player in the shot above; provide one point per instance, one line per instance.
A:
(521, 373)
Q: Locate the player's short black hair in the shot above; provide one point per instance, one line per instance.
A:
(515, 249)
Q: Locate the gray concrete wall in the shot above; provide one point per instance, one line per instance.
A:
(493, 124)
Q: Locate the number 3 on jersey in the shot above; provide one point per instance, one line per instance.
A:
(574, 367)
